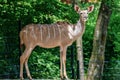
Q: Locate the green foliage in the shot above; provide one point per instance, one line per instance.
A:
(44, 63)
(113, 45)
(116, 27)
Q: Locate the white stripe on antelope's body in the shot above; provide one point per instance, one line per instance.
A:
(60, 34)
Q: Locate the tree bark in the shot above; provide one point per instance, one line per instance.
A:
(80, 58)
(96, 63)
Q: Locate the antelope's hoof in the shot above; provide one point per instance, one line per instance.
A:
(21, 78)
(64, 78)
(30, 78)
(61, 77)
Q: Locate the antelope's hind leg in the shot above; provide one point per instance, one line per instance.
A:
(27, 69)
(23, 60)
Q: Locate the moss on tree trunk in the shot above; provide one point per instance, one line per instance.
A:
(96, 63)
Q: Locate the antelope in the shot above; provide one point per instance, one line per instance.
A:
(60, 34)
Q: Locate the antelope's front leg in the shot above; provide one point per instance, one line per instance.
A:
(64, 62)
(61, 62)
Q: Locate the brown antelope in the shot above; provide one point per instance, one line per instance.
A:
(60, 34)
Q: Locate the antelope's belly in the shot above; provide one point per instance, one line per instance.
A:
(49, 44)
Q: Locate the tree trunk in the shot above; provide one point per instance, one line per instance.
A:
(80, 59)
(96, 63)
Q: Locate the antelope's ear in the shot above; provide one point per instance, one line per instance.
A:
(76, 8)
(90, 9)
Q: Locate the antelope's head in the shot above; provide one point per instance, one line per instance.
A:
(84, 13)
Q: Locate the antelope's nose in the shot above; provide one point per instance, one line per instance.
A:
(86, 17)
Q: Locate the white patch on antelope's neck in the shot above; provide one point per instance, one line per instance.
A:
(74, 32)
(78, 28)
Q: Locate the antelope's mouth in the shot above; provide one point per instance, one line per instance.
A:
(85, 19)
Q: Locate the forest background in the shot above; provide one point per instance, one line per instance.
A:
(44, 63)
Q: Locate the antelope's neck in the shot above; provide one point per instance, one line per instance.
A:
(77, 30)
(79, 27)
(82, 25)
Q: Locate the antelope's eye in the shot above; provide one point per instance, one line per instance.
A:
(80, 13)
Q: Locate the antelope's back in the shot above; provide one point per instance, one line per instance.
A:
(47, 35)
